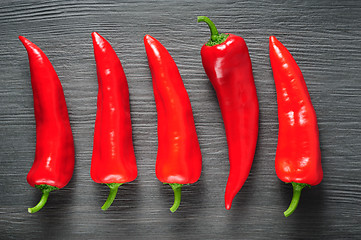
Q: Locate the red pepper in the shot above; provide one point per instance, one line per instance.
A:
(228, 66)
(298, 156)
(54, 155)
(179, 159)
(113, 160)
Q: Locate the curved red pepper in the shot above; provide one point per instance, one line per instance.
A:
(298, 156)
(179, 159)
(228, 66)
(54, 155)
(113, 160)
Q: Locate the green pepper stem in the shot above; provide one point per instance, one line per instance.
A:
(41, 204)
(212, 27)
(216, 37)
(177, 188)
(297, 188)
(112, 194)
(46, 189)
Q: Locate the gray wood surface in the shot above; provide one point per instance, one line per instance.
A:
(324, 38)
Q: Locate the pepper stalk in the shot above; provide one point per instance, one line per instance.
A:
(46, 189)
(216, 37)
(177, 188)
(112, 194)
(297, 188)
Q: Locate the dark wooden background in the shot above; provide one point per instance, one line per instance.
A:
(324, 38)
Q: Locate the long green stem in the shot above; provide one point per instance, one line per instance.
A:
(112, 194)
(177, 188)
(216, 38)
(212, 27)
(297, 188)
(41, 204)
(46, 189)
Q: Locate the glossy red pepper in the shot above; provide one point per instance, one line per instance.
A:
(179, 159)
(113, 161)
(54, 155)
(298, 156)
(228, 66)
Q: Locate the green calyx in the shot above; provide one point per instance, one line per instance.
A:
(46, 189)
(112, 194)
(216, 38)
(177, 188)
(297, 188)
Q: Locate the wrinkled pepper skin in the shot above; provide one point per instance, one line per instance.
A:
(113, 160)
(298, 155)
(179, 159)
(229, 69)
(54, 155)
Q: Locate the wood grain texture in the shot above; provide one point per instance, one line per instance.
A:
(324, 38)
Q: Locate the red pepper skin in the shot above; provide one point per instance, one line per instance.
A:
(54, 155)
(113, 161)
(228, 67)
(179, 159)
(298, 155)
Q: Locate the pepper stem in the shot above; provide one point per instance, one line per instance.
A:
(177, 188)
(297, 188)
(112, 194)
(46, 189)
(216, 38)
(212, 27)
(41, 204)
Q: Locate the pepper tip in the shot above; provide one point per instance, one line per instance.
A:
(22, 39)
(98, 39)
(228, 203)
(272, 39)
(228, 206)
(147, 37)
